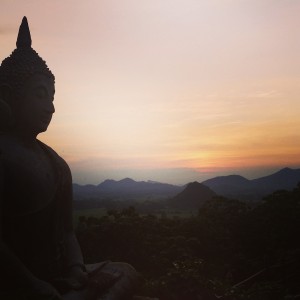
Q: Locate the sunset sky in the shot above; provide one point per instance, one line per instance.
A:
(168, 90)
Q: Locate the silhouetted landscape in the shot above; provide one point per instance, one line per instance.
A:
(243, 189)
(118, 194)
(125, 189)
(225, 238)
(171, 91)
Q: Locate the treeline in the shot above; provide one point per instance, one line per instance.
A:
(227, 251)
(143, 207)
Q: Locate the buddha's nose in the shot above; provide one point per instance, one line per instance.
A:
(51, 108)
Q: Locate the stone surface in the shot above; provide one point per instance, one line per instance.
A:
(40, 255)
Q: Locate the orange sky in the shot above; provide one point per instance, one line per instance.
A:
(168, 90)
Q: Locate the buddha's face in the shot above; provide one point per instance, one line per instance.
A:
(34, 108)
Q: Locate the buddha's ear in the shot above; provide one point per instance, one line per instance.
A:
(6, 93)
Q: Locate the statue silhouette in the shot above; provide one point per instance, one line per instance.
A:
(39, 253)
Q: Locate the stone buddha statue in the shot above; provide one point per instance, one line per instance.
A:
(40, 257)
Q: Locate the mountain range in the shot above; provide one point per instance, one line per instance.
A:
(126, 189)
(232, 186)
(238, 187)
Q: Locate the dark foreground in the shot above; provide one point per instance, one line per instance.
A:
(226, 251)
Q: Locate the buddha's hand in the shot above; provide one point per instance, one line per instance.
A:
(76, 279)
(44, 290)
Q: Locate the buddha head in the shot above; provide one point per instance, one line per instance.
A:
(26, 88)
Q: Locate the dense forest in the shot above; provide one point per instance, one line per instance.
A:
(226, 250)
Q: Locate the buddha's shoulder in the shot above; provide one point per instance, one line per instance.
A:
(12, 150)
(54, 155)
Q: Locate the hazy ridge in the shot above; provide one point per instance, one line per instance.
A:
(232, 186)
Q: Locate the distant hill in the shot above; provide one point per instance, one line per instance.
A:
(232, 186)
(125, 189)
(192, 197)
(235, 186)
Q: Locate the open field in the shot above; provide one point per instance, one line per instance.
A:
(100, 212)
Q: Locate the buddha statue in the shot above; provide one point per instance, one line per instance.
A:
(40, 257)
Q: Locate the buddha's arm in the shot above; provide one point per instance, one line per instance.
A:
(10, 264)
(19, 278)
(13, 269)
(14, 273)
(73, 252)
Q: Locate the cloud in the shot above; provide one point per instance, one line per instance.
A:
(264, 94)
(4, 30)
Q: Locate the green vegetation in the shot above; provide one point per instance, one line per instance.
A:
(101, 212)
(88, 213)
(228, 250)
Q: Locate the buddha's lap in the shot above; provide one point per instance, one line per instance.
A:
(108, 280)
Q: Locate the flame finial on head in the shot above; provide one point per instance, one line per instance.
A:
(23, 61)
(24, 37)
